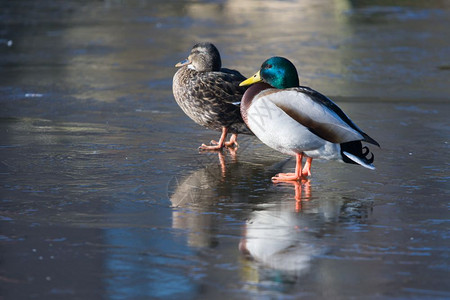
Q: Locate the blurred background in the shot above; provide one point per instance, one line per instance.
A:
(104, 195)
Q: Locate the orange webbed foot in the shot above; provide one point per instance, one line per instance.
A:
(218, 145)
(281, 177)
(210, 148)
(229, 144)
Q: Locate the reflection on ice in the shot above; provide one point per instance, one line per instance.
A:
(284, 239)
(280, 237)
(198, 190)
(280, 240)
(197, 196)
(287, 229)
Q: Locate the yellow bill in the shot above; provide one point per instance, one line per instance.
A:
(254, 79)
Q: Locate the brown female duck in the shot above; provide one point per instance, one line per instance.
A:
(210, 95)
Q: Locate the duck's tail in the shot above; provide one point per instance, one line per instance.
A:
(355, 153)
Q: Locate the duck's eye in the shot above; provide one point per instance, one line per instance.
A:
(269, 66)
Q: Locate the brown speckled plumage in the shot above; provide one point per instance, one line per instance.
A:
(207, 93)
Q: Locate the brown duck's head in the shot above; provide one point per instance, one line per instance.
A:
(204, 57)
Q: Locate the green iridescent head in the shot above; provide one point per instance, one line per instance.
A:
(277, 71)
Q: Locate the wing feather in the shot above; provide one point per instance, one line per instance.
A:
(327, 102)
(220, 86)
(316, 112)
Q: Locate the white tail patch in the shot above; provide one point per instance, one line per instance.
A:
(358, 160)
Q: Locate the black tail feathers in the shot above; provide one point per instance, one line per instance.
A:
(355, 153)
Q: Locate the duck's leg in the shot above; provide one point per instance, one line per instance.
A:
(306, 171)
(218, 145)
(291, 176)
(233, 141)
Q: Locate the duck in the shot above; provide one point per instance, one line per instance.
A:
(210, 95)
(299, 121)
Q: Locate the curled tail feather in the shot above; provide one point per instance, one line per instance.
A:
(355, 153)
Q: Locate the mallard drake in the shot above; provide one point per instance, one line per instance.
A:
(300, 121)
(210, 94)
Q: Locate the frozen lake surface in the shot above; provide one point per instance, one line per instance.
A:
(103, 192)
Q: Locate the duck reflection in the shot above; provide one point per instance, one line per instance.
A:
(280, 240)
(280, 236)
(287, 225)
(202, 197)
(192, 199)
